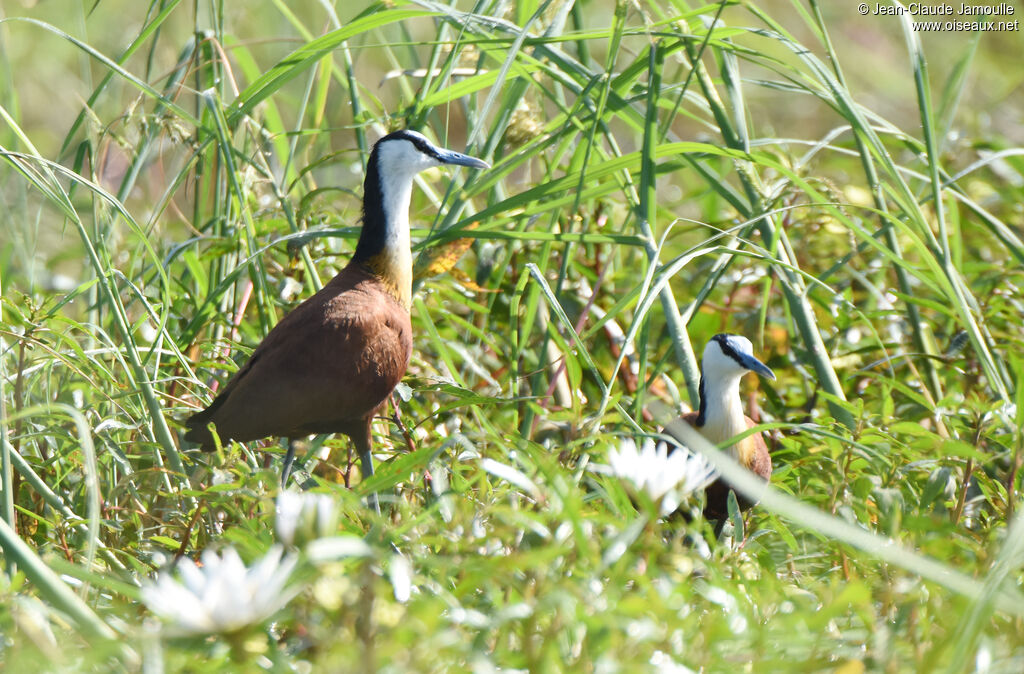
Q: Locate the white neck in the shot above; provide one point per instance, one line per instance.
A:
(396, 191)
(723, 411)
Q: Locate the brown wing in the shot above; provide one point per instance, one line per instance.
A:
(761, 464)
(716, 496)
(326, 367)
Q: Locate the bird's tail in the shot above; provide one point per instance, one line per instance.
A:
(199, 432)
(198, 425)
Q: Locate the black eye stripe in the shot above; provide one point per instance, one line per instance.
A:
(424, 147)
(420, 143)
(723, 342)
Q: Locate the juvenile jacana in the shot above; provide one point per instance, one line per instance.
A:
(330, 365)
(720, 416)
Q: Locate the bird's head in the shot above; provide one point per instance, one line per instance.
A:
(729, 357)
(383, 244)
(405, 153)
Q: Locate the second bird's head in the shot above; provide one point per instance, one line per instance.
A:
(730, 357)
(405, 153)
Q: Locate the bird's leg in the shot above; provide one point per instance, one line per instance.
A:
(401, 426)
(362, 443)
(289, 459)
(409, 443)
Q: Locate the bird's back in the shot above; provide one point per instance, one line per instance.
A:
(326, 367)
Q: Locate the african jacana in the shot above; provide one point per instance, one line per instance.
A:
(330, 365)
(720, 416)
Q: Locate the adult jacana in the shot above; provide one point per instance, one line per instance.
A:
(720, 415)
(330, 365)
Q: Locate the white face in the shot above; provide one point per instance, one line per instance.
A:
(401, 157)
(719, 365)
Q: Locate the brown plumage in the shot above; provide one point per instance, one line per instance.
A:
(327, 367)
(330, 365)
(753, 454)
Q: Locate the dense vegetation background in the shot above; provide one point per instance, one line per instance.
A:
(842, 190)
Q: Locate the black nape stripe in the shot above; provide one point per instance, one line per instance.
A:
(703, 410)
(375, 225)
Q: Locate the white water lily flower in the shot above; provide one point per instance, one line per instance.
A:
(222, 595)
(400, 573)
(664, 664)
(666, 478)
(301, 517)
